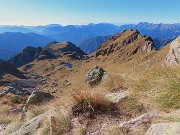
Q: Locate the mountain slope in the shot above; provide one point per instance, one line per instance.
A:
(13, 43)
(124, 45)
(90, 45)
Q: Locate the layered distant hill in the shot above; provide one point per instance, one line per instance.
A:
(79, 33)
(87, 37)
(12, 43)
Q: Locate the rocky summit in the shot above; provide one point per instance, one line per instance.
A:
(64, 47)
(125, 44)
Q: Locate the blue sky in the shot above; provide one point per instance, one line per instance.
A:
(42, 12)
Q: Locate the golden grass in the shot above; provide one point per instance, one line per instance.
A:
(112, 130)
(114, 83)
(160, 88)
(57, 122)
(35, 111)
(11, 128)
(60, 121)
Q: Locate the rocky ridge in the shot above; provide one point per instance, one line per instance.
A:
(118, 42)
(30, 54)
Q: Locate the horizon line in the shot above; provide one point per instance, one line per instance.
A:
(82, 24)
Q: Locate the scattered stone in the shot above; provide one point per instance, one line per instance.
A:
(117, 97)
(2, 127)
(173, 57)
(164, 129)
(95, 75)
(134, 124)
(14, 89)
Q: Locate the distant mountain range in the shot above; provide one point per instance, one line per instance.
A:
(12, 43)
(79, 33)
(87, 37)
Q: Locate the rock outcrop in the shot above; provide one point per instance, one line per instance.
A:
(164, 129)
(15, 89)
(117, 97)
(173, 57)
(30, 54)
(135, 125)
(95, 75)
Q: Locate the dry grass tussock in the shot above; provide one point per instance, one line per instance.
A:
(91, 103)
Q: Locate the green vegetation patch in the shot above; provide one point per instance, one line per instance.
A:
(171, 98)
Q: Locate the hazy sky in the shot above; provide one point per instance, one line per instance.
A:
(41, 12)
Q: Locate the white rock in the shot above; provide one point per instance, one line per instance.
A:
(164, 129)
(116, 97)
(138, 121)
(173, 57)
(31, 126)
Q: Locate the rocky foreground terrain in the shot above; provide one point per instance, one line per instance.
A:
(125, 87)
